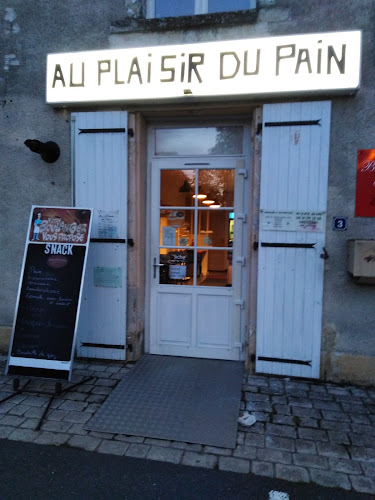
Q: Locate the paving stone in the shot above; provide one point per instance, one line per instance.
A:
(36, 400)
(335, 415)
(322, 404)
(98, 367)
(335, 426)
(199, 460)
(246, 451)
(362, 454)
(363, 484)
(77, 417)
(88, 443)
(343, 465)
(330, 479)
(314, 434)
(309, 460)
(255, 440)
(281, 430)
(34, 412)
(12, 420)
(106, 382)
(26, 435)
(362, 440)
(57, 415)
(92, 408)
(283, 409)
(240, 437)
(283, 419)
(30, 423)
(78, 429)
(258, 406)
(299, 411)
(161, 454)
(217, 451)
(280, 443)
(283, 400)
(101, 391)
(262, 417)
(332, 450)
(305, 446)
(102, 374)
(257, 381)
(269, 455)
(358, 418)
(339, 437)
(158, 442)
(354, 408)
(257, 428)
(73, 405)
(258, 398)
(18, 410)
(5, 431)
(138, 450)
(292, 473)
(114, 368)
(129, 439)
(301, 402)
(102, 435)
(51, 438)
(113, 447)
(234, 464)
(187, 446)
(6, 407)
(262, 468)
(308, 422)
(75, 396)
(368, 468)
(56, 426)
(95, 398)
(363, 429)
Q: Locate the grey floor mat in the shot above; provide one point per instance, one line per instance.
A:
(179, 399)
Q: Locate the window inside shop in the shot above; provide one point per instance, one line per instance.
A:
(171, 8)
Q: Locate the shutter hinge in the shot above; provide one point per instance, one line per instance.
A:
(239, 345)
(241, 259)
(242, 171)
(240, 302)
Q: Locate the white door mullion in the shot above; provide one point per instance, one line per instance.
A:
(201, 6)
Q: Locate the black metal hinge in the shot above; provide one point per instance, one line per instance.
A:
(284, 360)
(101, 130)
(292, 124)
(288, 245)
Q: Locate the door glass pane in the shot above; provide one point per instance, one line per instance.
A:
(214, 268)
(199, 141)
(171, 8)
(177, 267)
(225, 5)
(215, 228)
(218, 186)
(176, 228)
(177, 188)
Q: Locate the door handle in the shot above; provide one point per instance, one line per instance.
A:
(156, 264)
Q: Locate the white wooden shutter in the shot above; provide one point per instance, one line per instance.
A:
(100, 181)
(294, 177)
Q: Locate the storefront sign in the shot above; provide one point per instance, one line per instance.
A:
(49, 294)
(313, 63)
(292, 220)
(365, 192)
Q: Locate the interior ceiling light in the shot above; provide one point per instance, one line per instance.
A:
(200, 196)
(216, 205)
(208, 202)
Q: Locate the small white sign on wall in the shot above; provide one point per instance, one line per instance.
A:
(292, 220)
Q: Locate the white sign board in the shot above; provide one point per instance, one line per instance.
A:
(283, 220)
(313, 63)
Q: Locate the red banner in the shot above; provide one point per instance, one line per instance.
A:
(365, 192)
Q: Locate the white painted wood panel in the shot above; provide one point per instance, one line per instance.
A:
(100, 181)
(294, 177)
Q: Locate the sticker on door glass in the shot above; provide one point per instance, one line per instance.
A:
(169, 236)
(108, 223)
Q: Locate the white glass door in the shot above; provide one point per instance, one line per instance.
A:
(197, 262)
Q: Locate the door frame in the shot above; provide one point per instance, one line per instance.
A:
(247, 158)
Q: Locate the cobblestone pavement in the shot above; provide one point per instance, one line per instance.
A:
(305, 431)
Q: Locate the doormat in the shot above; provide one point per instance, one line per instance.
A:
(178, 399)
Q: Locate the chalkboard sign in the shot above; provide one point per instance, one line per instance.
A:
(48, 302)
